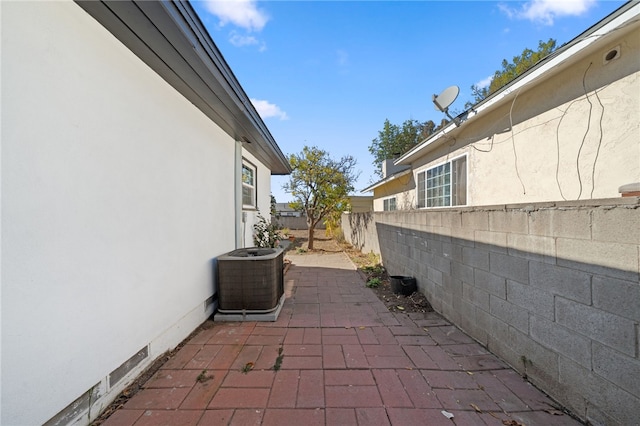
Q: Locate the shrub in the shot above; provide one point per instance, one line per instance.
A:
(266, 234)
(374, 282)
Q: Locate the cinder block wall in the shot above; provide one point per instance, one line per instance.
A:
(360, 231)
(553, 289)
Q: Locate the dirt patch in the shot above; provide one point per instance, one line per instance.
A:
(416, 302)
(377, 280)
(321, 242)
(368, 264)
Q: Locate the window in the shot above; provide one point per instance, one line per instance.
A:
(248, 185)
(444, 185)
(389, 204)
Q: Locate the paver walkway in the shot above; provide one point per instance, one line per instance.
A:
(346, 360)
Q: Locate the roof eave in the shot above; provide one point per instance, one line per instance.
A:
(386, 180)
(170, 38)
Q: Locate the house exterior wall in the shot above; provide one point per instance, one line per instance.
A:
(403, 188)
(573, 135)
(361, 204)
(561, 153)
(551, 288)
(117, 196)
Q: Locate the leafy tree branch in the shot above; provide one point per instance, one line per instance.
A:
(394, 140)
(510, 70)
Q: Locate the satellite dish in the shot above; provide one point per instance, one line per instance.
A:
(444, 100)
(448, 96)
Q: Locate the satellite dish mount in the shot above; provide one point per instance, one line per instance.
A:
(444, 100)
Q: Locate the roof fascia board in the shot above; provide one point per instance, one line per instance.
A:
(210, 53)
(386, 180)
(199, 52)
(168, 37)
(555, 61)
(125, 16)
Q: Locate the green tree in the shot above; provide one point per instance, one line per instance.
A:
(319, 184)
(333, 222)
(272, 208)
(511, 70)
(394, 140)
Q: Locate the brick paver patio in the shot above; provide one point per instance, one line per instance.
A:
(346, 360)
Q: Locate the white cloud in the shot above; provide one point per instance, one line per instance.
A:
(485, 82)
(267, 109)
(546, 11)
(242, 13)
(240, 40)
(511, 13)
(343, 57)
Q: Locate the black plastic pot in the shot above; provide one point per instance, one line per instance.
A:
(403, 285)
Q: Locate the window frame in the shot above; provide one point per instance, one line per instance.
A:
(386, 204)
(254, 186)
(448, 184)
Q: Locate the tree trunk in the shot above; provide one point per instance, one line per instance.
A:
(310, 235)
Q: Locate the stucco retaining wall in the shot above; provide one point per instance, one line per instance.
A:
(552, 288)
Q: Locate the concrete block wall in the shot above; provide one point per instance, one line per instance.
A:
(553, 289)
(359, 229)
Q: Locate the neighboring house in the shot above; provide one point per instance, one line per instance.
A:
(131, 159)
(567, 129)
(361, 204)
(285, 210)
(391, 192)
(286, 217)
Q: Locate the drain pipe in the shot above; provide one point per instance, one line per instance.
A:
(237, 186)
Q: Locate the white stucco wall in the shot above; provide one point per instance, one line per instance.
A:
(581, 149)
(405, 200)
(116, 195)
(402, 188)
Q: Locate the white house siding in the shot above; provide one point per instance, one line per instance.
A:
(114, 190)
(597, 135)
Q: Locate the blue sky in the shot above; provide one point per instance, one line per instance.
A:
(328, 73)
